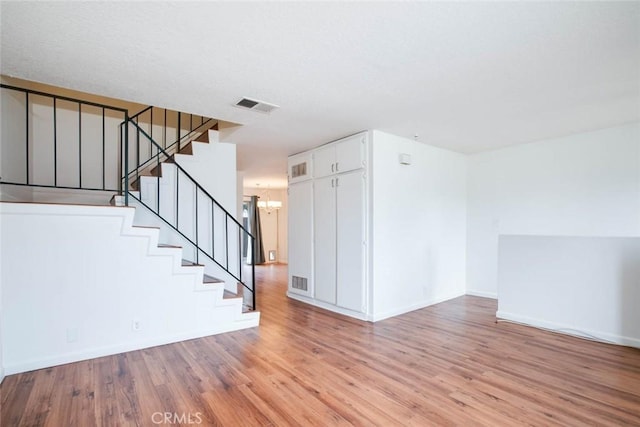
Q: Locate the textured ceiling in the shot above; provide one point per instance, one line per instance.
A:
(463, 76)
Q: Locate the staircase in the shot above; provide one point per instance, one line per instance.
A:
(83, 281)
(164, 184)
(161, 171)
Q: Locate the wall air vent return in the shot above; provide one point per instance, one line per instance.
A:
(255, 105)
(299, 170)
(298, 282)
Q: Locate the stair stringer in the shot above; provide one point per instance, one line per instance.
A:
(95, 273)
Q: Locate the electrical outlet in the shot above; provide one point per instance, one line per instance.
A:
(135, 325)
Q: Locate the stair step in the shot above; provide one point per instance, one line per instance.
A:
(187, 263)
(211, 279)
(157, 169)
(187, 149)
(204, 136)
(228, 295)
(163, 245)
(117, 200)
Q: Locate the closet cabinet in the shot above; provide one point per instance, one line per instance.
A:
(338, 227)
(341, 156)
(324, 230)
(300, 225)
(336, 211)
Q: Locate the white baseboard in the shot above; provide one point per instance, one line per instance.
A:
(569, 330)
(493, 295)
(30, 365)
(327, 306)
(375, 317)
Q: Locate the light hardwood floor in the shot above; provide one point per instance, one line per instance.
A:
(449, 364)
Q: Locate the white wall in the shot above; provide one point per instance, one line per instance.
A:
(274, 227)
(283, 227)
(74, 278)
(580, 185)
(418, 215)
(269, 221)
(213, 166)
(239, 195)
(274, 223)
(1, 311)
(587, 286)
(12, 136)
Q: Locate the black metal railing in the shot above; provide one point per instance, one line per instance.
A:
(59, 142)
(170, 130)
(178, 200)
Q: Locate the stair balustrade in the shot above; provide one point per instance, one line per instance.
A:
(213, 234)
(60, 142)
(55, 141)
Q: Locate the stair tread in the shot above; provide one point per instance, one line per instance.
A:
(187, 149)
(187, 263)
(229, 295)
(204, 136)
(163, 245)
(211, 279)
(156, 171)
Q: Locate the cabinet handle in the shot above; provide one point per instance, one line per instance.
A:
(332, 167)
(337, 181)
(332, 183)
(336, 166)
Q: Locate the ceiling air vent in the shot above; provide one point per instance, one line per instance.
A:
(255, 105)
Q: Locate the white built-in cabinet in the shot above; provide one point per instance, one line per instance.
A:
(300, 234)
(342, 156)
(324, 227)
(377, 225)
(300, 231)
(330, 206)
(338, 216)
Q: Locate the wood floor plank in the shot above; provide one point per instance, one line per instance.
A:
(82, 410)
(187, 389)
(126, 394)
(19, 389)
(446, 365)
(106, 410)
(62, 394)
(39, 403)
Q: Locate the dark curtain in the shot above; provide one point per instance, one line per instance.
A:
(256, 230)
(245, 237)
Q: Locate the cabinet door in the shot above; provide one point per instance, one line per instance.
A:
(324, 229)
(350, 238)
(350, 153)
(324, 161)
(300, 238)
